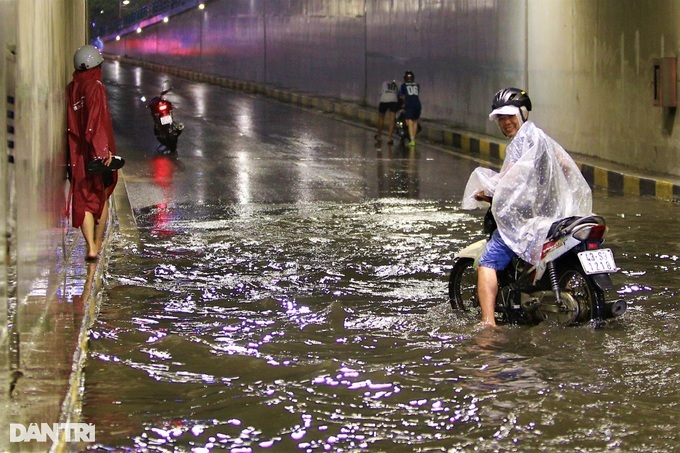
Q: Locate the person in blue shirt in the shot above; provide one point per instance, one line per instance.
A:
(408, 94)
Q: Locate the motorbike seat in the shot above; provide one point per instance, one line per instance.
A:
(565, 226)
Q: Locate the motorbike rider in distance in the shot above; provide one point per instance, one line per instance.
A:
(538, 184)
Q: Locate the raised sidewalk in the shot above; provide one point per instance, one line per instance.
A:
(50, 341)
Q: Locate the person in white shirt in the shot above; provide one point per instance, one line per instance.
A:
(389, 102)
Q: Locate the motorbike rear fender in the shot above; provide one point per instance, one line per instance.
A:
(603, 281)
(473, 251)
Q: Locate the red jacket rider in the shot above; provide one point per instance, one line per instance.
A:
(90, 135)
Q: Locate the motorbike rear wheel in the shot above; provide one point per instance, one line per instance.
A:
(587, 296)
(167, 136)
(463, 286)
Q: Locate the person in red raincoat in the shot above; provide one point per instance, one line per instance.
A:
(90, 136)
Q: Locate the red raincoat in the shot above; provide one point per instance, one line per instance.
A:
(90, 135)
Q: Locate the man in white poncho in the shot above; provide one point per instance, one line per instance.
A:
(538, 184)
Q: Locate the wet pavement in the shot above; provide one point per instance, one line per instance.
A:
(280, 285)
(245, 149)
(49, 334)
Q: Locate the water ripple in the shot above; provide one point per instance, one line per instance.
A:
(325, 327)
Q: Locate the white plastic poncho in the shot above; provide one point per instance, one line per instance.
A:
(538, 184)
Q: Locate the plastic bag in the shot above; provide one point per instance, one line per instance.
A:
(538, 184)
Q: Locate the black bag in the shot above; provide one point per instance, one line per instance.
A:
(98, 165)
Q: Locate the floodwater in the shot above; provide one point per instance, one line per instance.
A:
(326, 327)
(323, 324)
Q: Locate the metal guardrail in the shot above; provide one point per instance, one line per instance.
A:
(148, 14)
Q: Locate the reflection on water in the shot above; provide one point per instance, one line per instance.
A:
(325, 327)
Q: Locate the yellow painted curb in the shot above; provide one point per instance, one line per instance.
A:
(664, 190)
(485, 148)
(465, 142)
(601, 178)
(631, 185)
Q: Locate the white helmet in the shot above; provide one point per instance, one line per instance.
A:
(87, 57)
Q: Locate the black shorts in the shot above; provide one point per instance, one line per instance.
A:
(385, 106)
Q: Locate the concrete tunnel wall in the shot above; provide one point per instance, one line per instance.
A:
(38, 41)
(37, 38)
(588, 65)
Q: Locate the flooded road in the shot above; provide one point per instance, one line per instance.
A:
(285, 290)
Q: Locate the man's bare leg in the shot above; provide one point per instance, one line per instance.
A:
(412, 129)
(93, 232)
(487, 289)
(88, 230)
(381, 125)
(100, 228)
(390, 127)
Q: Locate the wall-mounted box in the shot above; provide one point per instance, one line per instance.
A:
(665, 82)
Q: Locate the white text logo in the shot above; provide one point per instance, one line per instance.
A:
(73, 432)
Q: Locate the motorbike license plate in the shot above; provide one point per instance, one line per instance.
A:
(167, 119)
(598, 261)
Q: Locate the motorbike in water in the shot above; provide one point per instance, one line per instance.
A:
(568, 286)
(165, 127)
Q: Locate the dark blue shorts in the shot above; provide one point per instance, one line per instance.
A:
(497, 254)
(412, 113)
